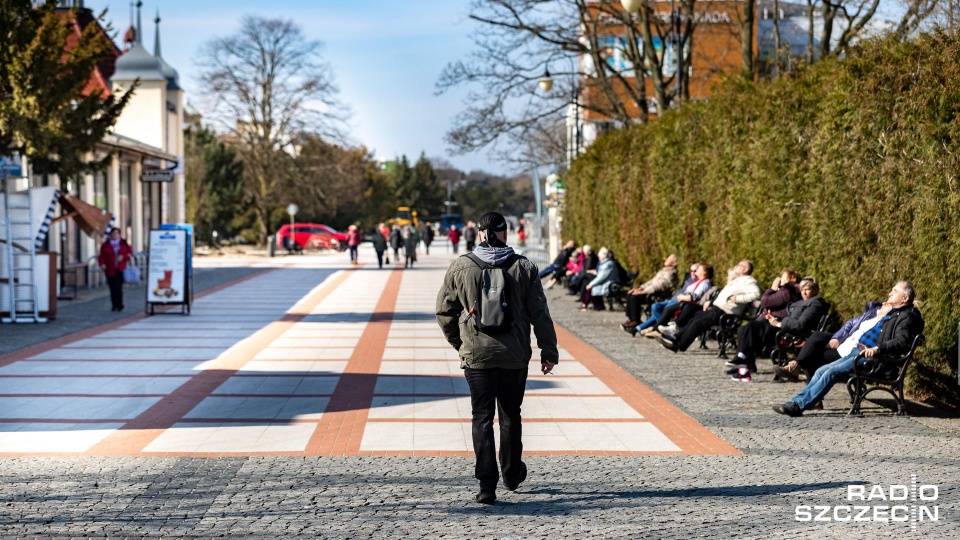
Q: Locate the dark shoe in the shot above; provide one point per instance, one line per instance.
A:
(818, 406)
(486, 497)
(120, 308)
(628, 324)
(632, 330)
(523, 476)
(742, 375)
(668, 343)
(789, 408)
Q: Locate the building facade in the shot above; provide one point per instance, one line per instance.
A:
(147, 136)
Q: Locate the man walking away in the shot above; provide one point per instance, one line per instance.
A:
(379, 245)
(396, 242)
(490, 329)
(470, 236)
(426, 236)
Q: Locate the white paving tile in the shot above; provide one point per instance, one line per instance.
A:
(316, 367)
(90, 385)
(418, 342)
(276, 353)
(387, 436)
(293, 386)
(132, 353)
(39, 437)
(75, 408)
(586, 408)
(100, 368)
(226, 437)
(266, 408)
(387, 385)
(419, 354)
(314, 342)
(109, 344)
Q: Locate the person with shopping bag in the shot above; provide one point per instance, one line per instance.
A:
(114, 256)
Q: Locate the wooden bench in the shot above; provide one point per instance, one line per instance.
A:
(882, 374)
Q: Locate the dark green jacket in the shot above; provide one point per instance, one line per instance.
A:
(379, 242)
(509, 350)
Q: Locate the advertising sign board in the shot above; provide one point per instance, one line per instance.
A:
(168, 269)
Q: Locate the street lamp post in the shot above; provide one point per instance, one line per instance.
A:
(546, 84)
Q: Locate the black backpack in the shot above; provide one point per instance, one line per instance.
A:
(493, 314)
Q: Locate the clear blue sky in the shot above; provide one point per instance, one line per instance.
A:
(386, 57)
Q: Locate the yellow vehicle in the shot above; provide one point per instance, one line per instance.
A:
(405, 217)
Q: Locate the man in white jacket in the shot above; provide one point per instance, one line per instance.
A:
(741, 291)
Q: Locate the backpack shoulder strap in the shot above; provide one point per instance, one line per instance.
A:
(478, 261)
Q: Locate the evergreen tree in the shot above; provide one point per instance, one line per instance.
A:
(403, 185)
(49, 110)
(430, 196)
(214, 188)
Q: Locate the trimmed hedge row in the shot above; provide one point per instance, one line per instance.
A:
(846, 170)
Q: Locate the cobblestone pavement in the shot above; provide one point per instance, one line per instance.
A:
(786, 462)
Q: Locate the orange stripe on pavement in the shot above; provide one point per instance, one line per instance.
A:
(133, 437)
(341, 427)
(679, 427)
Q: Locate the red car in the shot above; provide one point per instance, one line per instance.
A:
(310, 236)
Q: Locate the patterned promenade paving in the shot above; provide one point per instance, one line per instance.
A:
(305, 398)
(307, 360)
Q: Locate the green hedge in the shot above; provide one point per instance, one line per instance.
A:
(847, 170)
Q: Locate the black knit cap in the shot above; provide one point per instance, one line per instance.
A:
(492, 221)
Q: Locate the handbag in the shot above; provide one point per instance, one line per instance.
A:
(131, 274)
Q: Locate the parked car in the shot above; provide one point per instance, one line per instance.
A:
(310, 236)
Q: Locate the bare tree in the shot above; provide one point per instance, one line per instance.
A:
(267, 84)
(599, 56)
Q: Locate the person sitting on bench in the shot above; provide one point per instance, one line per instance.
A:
(888, 335)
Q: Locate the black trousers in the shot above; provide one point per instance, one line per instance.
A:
(116, 289)
(681, 312)
(470, 245)
(814, 354)
(503, 388)
(699, 323)
(754, 336)
(635, 306)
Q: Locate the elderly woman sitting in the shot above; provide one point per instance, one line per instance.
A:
(600, 285)
(801, 319)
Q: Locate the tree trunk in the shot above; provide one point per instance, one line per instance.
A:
(829, 13)
(776, 38)
(746, 38)
(810, 33)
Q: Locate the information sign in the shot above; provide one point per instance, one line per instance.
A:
(167, 270)
(156, 175)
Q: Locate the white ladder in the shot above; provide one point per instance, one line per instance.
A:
(20, 257)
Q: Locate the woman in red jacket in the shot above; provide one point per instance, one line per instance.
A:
(115, 253)
(454, 236)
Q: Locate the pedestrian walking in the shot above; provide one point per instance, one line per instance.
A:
(489, 300)
(410, 247)
(426, 236)
(379, 246)
(454, 237)
(115, 253)
(470, 236)
(521, 235)
(396, 242)
(353, 243)
(385, 233)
